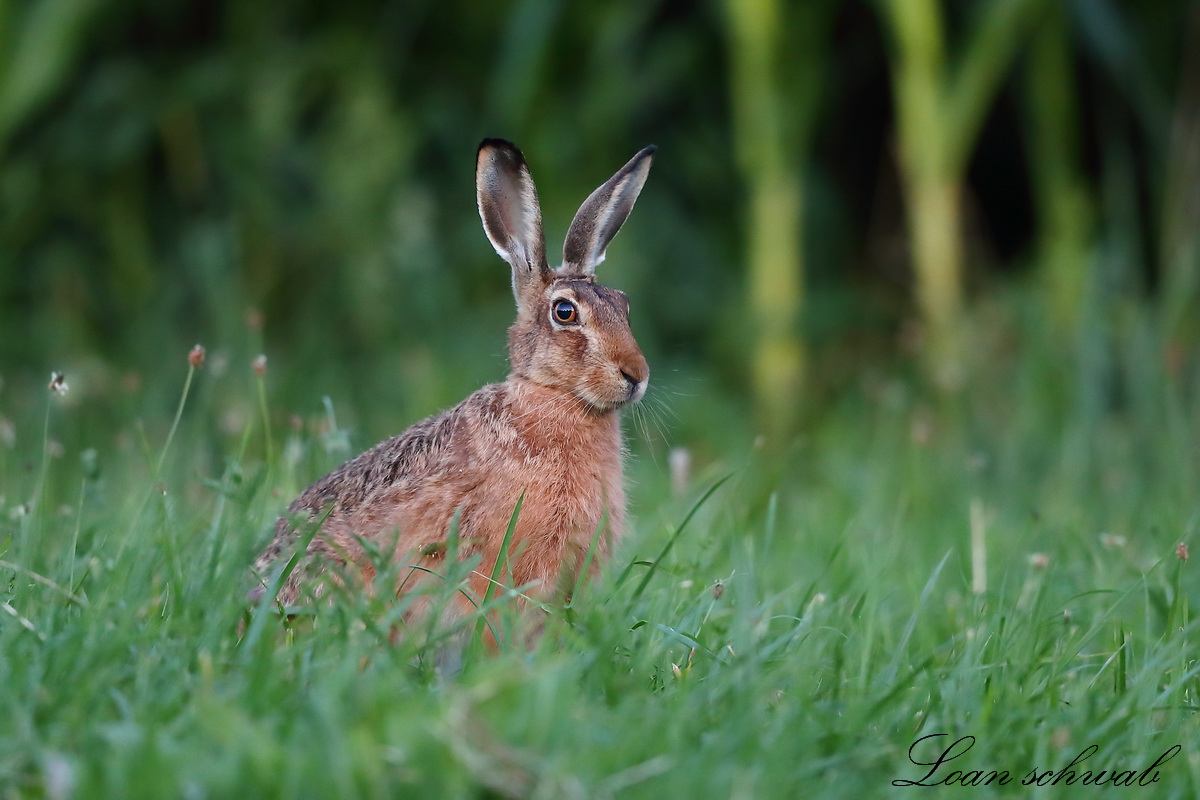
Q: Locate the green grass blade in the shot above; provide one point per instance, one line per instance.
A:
(676, 533)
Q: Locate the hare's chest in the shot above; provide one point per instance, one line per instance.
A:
(566, 491)
(568, 486)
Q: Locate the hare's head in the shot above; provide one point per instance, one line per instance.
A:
(571, 333)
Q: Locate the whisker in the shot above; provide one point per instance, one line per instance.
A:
(639, 419)
(658, 422)
(662, 405)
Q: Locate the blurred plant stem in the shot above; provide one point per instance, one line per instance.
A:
(774, 99)
(1181, 203)
(939, 113)
(38, 45)
(1062, 206)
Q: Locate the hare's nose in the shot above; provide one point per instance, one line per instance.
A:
(635, 386)
(634, 369)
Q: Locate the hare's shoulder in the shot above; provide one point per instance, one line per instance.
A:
(444, 442)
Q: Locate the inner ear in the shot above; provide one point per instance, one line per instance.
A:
(603, 214)
(512, 216)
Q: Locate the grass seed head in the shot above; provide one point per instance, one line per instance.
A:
(196, 357)
(58, 383)
(260, 365)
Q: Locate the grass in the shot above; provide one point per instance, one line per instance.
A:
(1003, 567)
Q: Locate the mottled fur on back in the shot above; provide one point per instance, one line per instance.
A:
(551, 432)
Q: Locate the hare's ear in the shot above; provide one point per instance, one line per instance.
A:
(602, 214)
(512, 218)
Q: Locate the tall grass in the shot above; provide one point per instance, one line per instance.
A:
(784, 633)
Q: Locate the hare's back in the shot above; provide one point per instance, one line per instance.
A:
(428, 454)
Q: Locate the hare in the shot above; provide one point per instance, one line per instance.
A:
(550, 433)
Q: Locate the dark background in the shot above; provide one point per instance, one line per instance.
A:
(297, 178)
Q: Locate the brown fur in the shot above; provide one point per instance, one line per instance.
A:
(550, 431)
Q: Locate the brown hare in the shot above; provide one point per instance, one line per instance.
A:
(550, 432)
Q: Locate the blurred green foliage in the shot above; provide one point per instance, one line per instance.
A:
(297, 177)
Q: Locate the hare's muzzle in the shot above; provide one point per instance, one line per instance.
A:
(636, 373)
(636, 387)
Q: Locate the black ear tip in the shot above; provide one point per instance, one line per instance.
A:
(648, 151)
(491, 141)
(501, 146)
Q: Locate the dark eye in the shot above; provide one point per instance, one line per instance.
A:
(564, 312)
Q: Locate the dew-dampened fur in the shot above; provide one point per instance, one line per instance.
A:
(551, 432)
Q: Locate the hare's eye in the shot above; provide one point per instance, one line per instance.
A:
(564, 312)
